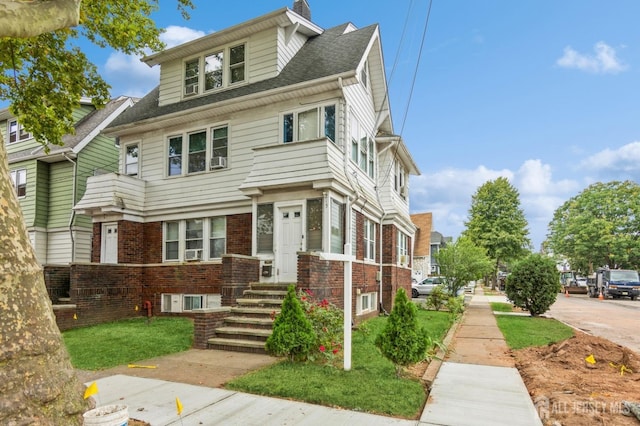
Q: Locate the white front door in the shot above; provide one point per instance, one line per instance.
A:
(289, 242)
(109, 252)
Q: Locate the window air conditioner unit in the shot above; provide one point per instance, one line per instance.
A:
(218, 163)
(171, 303)
(193, 254)
(191, 89)
(404, 259)
(404, 191)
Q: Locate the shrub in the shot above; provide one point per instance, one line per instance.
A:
(293, 334)
(402, 341)
(533, 284)
(455, 305)
(437, 298)
(327, 322)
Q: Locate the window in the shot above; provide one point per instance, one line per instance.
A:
(337, 227)
(172, 240)
(213, 70)
(175, 156)
(218, 72)
(369, 240)
(184, 239)
(191, 76)
(265, 228)
(362, 148)
(364, 74)
(191, 302)
(366, 302)
(131, 160)
(17, 132)
(314, 224)
(19, 180)
(306, 125)
(219, 147)
(403, 251)
(400, 180)
(217, 237)
(354, 234)
(197, 152)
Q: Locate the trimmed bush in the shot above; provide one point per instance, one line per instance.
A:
(402, 341)
(293, 334)
(533, 284)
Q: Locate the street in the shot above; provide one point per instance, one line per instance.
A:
(615, 320)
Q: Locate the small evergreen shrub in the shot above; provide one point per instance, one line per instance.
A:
(533, 284)
(402, 341)
(293, 334)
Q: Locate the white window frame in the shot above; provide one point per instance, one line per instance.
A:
(184, 139)
(20, 134)
(369, 240)
(363, 152)
(403, 248)
(19, 180)
(128, 163)
(197, 83)
(185, 243)
(366, 302)
(207, 301)
(321, 123)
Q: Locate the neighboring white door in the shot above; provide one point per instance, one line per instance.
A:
(109, 252)
(289, 242)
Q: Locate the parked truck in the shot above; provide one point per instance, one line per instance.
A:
(614, 283)
(571, 283)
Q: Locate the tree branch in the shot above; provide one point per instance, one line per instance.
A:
(30, 18)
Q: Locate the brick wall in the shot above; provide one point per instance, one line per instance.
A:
(205, 321)
(96, 243)
(239, 234)
(131, 242)
(57, 280)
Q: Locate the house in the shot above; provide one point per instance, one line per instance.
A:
(49, 184)
(438, 242)
(422, 245)
(265, 154)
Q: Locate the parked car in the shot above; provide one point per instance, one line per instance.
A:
(426, 286)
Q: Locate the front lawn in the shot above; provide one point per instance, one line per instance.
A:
(371, 384)
(127, 341)
(521, 332)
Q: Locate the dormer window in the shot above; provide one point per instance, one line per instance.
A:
(217, 72)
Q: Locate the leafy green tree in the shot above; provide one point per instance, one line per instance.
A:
(293, 334)
(533, 284)
(497, 223)
(403, 341)
(44, 76)
(599, 227)
(462, 261)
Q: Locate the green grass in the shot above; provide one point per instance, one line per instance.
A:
(522, 332)
(123, 342)
(371, 384)
(501, 307)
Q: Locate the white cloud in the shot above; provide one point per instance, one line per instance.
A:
(621, 163)
(128, 75)
(603, 61)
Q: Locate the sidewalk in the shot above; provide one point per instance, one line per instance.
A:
(477, 384)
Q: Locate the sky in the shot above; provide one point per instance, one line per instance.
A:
(545, 93)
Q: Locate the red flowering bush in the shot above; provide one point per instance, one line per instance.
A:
(327, 322)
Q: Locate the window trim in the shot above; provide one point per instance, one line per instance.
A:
(208, 152)
(372, 304)
(20, 135)
(199, 84)
(363, 152)
(321, 122)
(126, 163)
(369, 238)
(182, 239)
(402, 246)
(17, 183)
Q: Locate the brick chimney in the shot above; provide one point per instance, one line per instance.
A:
(301, 7)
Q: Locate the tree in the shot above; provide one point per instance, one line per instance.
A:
(599, 227)
(497, 223)
(533, 284)
(461, 262)
(293, 334)
(403, 341)
(44, 77)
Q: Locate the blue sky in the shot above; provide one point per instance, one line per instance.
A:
(545, 93)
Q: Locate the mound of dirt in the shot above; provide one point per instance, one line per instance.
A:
(567, 389)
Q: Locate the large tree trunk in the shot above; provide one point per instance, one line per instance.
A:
(37, 382)
(24, 19)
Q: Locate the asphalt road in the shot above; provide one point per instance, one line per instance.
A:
(616, 320)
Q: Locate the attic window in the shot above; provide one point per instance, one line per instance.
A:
(191, 76)
(364, 74)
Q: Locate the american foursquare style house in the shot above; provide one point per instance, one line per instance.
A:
(266, 155)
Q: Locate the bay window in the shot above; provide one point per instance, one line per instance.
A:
(313, 123)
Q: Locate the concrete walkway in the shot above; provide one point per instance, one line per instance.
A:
(475, 385)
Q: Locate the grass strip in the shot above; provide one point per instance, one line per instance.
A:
(522, 332)
(370, 385)
(126, 341)
(501, 307)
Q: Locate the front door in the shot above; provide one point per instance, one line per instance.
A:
(109, 252)
(289, 242)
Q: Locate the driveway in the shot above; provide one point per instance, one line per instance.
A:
(614, 320)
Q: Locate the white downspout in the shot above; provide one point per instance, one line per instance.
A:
(73, 203)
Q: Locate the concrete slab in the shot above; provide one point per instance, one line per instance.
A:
(476, 395)
(491, 352)
(479, 332)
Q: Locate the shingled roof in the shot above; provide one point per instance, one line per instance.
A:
(334, 52)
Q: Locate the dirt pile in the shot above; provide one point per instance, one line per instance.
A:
(568, 389)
